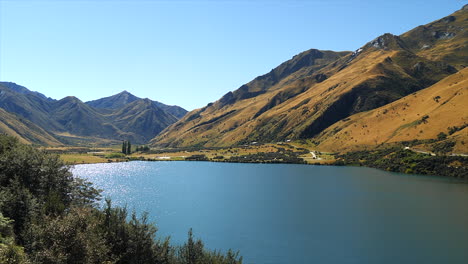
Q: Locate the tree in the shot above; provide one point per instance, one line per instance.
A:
(129, 148)
(441, 136)
(73, 238)
(192, 251)
(124, 147)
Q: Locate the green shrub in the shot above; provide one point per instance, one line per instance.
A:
(48, 216)
(115, 155)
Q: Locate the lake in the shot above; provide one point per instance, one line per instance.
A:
(277, 213)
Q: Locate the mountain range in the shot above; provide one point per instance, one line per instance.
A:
(317, 90)
(38, 119)
(392, 89)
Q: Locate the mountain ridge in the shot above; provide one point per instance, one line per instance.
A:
(70, 121)
(123, 98)
(305, 102)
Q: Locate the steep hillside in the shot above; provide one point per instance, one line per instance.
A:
(303, 64)
(25, 131)
(78, 118)
(421, 115)
(123, 98)
(138, 121)
(30, 107)
(143, 119)
(174, 110)
(305, 95)
(444, 39)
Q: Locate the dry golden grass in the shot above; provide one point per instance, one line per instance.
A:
(422, 115)
(82, 159)
(453, 49)
(241, 124)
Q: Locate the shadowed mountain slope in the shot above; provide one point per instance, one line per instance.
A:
(80, 119)
(113, 102)
(30, 107)
(142, 118)
(24, 130)
(123, 98)
(315, 89)
(23, 90)
(70, 121)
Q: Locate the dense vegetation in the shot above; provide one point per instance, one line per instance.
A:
(403, 160)
(281, 156)
(48, 216)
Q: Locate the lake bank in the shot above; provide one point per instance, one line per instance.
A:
(390, 159)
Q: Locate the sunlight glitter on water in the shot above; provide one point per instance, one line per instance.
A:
(114, 179)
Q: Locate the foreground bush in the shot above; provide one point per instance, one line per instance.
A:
(48, 216)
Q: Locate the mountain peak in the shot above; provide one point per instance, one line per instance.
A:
(124, 92)
(114, 101)
(70, 98)
(386, 41)
(124, 98)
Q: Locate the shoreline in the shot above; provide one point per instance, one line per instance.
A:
(390, 158)
(458, 179)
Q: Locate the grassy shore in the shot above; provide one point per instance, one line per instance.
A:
(390, 158)
(250, 153)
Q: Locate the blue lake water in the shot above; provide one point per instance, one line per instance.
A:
(275, 213)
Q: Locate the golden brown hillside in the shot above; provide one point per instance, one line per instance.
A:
(444, 39)
(303, 101)
(421, 115)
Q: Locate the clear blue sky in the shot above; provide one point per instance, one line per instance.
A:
(187, 53)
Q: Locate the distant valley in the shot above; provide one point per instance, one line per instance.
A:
(37, 119)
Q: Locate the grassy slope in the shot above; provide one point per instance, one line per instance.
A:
(217, 124)
(444, 104)
(444, 39)
(141, 119)
(25, 131)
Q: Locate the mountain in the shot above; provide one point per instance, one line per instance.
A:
(423, 115)
(142, 118)
(442, 40)
(174, 110)
(26, 131)
(23, 90)
(309, 93)
(80, 119)
(114, 101)
(123, 98)
(27, 115)
(30, 107)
